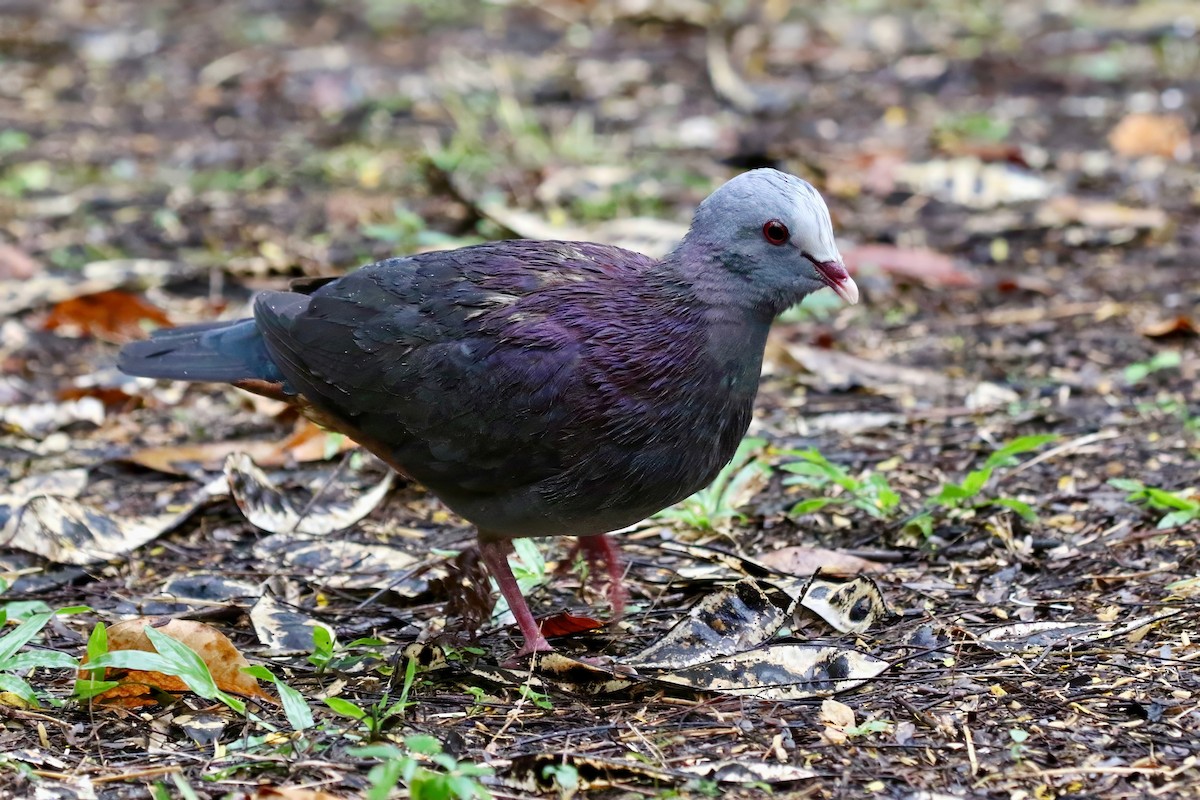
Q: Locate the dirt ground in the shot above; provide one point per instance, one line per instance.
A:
(1016, 187)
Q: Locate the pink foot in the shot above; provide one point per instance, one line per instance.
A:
(600, 549)
(495, 555)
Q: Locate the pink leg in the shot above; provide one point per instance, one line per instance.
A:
(495, 555)
(601, 549)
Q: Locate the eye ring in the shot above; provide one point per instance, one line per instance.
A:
(775, 232)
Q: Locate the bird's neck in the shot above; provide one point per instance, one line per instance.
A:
(737, 318)
(726, 283)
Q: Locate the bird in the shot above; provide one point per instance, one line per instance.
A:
(538, 388)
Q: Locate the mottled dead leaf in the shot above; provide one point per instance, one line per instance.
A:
(852, 606)
(730, 620)
(332, 504)
(782, 672)
(282, 628)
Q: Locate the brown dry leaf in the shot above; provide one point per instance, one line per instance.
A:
(114, 316)
(291, 793)
(172, 459)
(801, 560)
(15, 264)
(837, 718)
(918, 263)
(834, 370)
(1163, 135)
(219, 654)
(311, 442)
(1180, 326)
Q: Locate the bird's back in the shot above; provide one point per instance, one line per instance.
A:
(538, 388)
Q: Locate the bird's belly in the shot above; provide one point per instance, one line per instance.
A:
(611, 488)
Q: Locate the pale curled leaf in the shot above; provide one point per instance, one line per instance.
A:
(38, 420)
(735, 618)
(347, 565)
(851, 606)
(748, 771)
(274, 511)
(283, 629)
(782, 672)
(1038, 635)
(67, 531)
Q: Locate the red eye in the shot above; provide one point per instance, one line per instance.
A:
(775, 232)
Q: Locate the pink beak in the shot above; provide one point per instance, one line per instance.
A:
(837, 278)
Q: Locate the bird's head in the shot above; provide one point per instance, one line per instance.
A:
(773, 231)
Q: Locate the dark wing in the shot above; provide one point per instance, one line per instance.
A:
(446, 364)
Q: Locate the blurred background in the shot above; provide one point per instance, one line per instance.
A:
(1013, 182)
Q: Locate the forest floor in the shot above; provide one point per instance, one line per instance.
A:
(1003, 436)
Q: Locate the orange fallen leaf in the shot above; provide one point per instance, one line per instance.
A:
(114, 316)
(109, 395)
(307, 443)
(1180, 326)
(222, 658)
(172, 459)
(1163, 135)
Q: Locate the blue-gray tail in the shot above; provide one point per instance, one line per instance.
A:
(212, 351)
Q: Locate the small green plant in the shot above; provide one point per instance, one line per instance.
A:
(329, 655)
(973, 127)
(969, 494)
(1018, 747)
(870, 493)
(12, 662)
(1137, 372)
(814, 308)
(448, 780)
(1180, 507)
(869, 727)
(539, 699)
(408, 231)
(295, 707)
(382, 715)
(565, 778)
(718, 503)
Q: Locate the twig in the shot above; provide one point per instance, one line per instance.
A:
(1065, 447)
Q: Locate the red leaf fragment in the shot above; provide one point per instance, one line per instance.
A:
(112, 315)
(1180, 327)
(565, 624)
